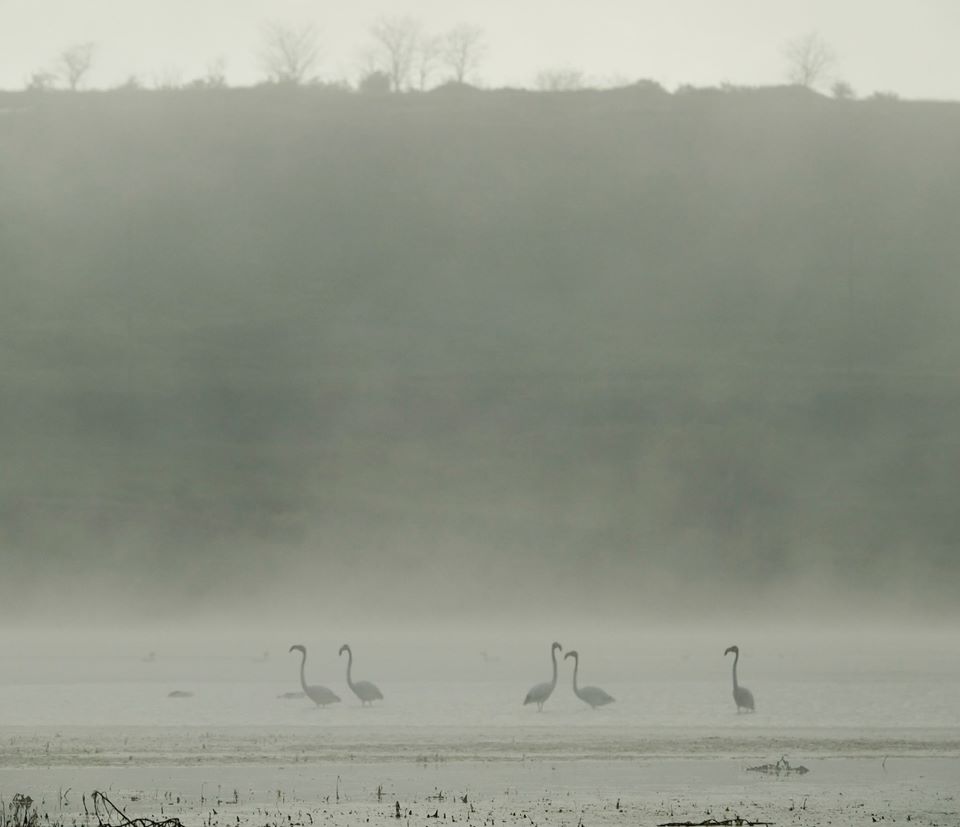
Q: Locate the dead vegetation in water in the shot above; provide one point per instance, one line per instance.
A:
(782, 767)
(19, 813)
(109, 814)
(712, 822)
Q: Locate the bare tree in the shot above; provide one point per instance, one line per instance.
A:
(289, 53)
(427, 56)
(397, 39)
(74, 64)
(809, 59)
(560, 80)
(464, 48)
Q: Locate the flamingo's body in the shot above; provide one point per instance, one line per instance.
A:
(592, 695)
(364, 690)
(742, 696)
(542, 691)
(320, 695)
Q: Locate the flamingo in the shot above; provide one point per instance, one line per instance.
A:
(742, 696)
(364, 690)
(592, 695)
(542, 691)
(320, 695)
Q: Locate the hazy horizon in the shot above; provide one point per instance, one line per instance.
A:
(901, 47)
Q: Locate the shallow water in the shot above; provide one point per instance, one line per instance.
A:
(878, 727)
(881, 711)
(869, 695)
(905, 687)
(864, 704)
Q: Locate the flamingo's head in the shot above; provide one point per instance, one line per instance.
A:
(734, 649)
(556, 646)
(571, 654)
(344, 648)
(298, 647)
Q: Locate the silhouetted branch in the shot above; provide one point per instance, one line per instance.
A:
(289, 53)
(397, 39)
(808, 58)
(464, 48)
(782, 767)
(712, 822)
(109, 814)
(75, 63)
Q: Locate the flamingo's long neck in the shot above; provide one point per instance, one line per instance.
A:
(576, 668)
(303, 677)
(736, 657)
(553, 656)
(349, 667)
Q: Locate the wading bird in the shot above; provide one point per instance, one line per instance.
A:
(364, 690)
(539, 694)
(742, 696)
(320, 695)
(592, 695)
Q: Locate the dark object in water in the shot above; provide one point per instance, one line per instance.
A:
(109, 814)
(782, 767)
(712, 822)
(289, 696)
(179, 693)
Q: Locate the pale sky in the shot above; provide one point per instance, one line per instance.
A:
(905, 46)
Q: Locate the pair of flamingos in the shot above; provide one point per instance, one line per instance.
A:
(592, 695)
(321, 696)
(595, 696)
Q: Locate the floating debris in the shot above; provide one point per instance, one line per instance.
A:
(109, 814)
(712, 822)
(782, 767)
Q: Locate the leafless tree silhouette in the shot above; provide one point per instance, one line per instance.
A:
(809, 58)
(464, 49)
(397, 39)
(427, 56)
(75, 63)
(288, 53)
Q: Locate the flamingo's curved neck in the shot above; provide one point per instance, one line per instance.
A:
(553, 656)
(349, 668)
(576, 668)
(736, 657)
(303, 663)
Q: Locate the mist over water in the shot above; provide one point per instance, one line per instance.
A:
(665, 374)
(450, 376)
(629, 354)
